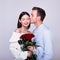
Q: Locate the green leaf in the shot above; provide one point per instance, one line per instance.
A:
(33, 57)
(20, 42)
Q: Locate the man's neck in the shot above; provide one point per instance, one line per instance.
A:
(38, 24)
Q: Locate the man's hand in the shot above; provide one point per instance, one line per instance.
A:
(29, 53)
(30, 48)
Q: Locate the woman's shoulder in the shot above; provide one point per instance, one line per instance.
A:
(17, 30)
(15, 36)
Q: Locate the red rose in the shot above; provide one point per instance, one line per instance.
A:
(26, 41)
(27, 36)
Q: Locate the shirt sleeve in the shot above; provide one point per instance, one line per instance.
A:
(39, 50)
(16, 49)
(17, 53)
(48, 42)
(45, 49)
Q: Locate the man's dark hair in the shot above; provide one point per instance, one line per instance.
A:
(40, 12)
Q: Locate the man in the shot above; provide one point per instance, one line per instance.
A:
(43, 36)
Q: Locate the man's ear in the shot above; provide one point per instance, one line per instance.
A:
(39, 18)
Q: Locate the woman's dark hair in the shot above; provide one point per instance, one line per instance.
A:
(40, 12)
(19, 25)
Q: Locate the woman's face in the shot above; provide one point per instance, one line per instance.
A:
(25, 21)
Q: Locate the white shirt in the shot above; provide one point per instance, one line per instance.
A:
(43, 38)
(16, 48)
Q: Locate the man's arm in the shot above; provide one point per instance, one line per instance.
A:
(48, 52)
(45, 49)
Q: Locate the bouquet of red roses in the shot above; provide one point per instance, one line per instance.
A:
(26, 40)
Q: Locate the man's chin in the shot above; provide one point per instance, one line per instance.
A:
(32, 22)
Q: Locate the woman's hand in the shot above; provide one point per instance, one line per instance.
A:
(30, 48)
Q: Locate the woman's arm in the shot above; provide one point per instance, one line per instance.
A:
(15, 47)
(16, 51)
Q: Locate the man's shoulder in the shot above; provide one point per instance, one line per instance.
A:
(46, 28)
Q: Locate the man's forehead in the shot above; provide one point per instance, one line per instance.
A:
(34, 11)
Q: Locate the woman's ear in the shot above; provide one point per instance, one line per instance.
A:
(19, 20)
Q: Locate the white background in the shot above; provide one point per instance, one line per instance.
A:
(9, 12)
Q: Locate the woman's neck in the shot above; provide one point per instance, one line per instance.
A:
(23, 30)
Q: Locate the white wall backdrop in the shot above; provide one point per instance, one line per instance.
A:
(9, 12)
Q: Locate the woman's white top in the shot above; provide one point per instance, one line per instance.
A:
(15, 47)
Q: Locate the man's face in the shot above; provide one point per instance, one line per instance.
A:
(34, 16)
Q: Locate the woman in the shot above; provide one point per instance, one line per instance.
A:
(22, 28)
